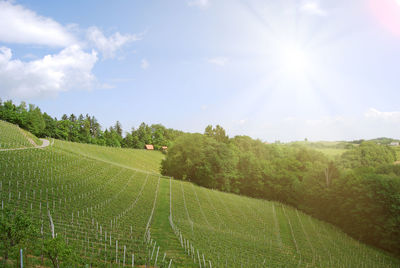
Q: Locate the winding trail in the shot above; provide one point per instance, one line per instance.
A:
(45, 143)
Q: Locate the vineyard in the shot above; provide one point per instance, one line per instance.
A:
(14, 137)
(235, 231)
(114, 208)
(143, 160)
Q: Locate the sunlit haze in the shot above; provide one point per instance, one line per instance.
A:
(273, 70)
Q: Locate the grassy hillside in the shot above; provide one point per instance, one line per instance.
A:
(29, 135)
(110, 203)
(331, 152)
(11, 136)
(237, 231)
(143, 160)
(331, 149)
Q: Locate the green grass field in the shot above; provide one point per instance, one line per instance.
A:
(113, 207)
(331, 149)
(331, 152)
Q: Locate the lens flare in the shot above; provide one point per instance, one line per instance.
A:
(387, 12)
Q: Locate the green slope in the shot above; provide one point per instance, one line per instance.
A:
(237, 231)
(107, 201)
(144, 160)
(11, 136)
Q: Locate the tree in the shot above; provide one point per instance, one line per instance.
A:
(158, 136)
(95, 127)
(58, 251)
(209, 131)
(72, 118)
(36, 123)
(15, 229)
(218, 133)
(201, 160)
(22, 117)
(368, 154)
(118, 128)
(144, 133)
(51, 125)
(84, 129)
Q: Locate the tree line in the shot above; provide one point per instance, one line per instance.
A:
(358, 192)
(85, 129)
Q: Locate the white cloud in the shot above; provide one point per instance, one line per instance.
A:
(313, 8)
(108, 46)
(69, 69)
(373, 113)
(23, 26)
(199, 3)
(144, 64)
(220, 61)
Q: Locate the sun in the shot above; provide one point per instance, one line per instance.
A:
(294, 60)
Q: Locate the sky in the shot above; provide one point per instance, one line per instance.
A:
(273, 70)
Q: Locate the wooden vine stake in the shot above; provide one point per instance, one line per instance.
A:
(124, 255)
(116, 251)
(155, 262)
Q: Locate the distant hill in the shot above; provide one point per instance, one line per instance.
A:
(383, 140)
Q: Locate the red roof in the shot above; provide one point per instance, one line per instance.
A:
(149, 147)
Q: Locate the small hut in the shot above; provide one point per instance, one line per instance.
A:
(149, 147)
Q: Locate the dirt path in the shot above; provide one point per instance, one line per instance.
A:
(45, 143)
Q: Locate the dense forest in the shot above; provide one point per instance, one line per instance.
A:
(85, 129)
(359, 191)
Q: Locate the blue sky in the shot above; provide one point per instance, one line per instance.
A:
(273, 70)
